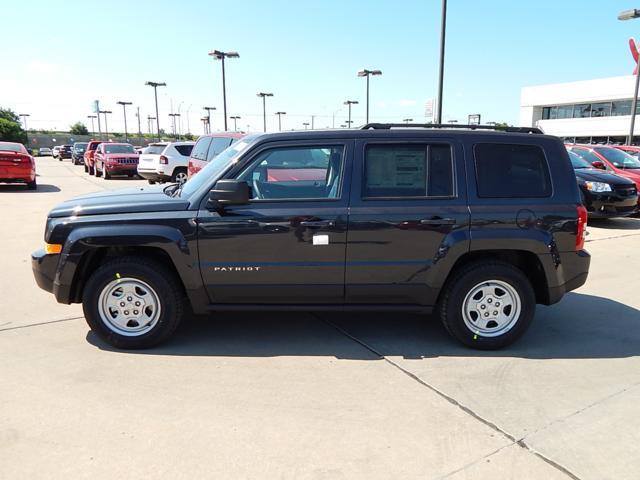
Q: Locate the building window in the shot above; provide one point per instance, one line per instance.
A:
(601, 109)
(545, 113)
(565, 111)
(582, 110)
(621, 107)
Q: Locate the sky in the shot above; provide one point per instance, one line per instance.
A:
(64, 55)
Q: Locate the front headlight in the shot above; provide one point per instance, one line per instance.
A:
(598, 187)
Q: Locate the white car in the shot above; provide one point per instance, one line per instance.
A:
(56, 151)
(164, 162)
(44, 152)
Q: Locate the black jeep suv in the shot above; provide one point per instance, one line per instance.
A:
(478, 224)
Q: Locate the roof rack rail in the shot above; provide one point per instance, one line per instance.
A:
(387, 126)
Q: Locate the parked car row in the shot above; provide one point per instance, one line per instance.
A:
(608, 177)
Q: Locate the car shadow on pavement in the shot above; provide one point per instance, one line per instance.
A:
(42, 188)
(580, 326)
(628, 223)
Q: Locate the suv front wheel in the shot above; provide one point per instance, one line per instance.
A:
(488, 305)
(133, 302)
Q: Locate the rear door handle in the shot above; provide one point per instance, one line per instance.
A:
(438, 221)
(317, 223)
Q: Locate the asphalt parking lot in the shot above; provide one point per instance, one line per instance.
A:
(316, 396)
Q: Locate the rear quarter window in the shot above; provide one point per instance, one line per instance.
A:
(511, 171)
(184, 150)
(199, 151)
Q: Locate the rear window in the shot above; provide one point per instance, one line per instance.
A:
(511, 171)
(199, 151)
(155, 149)
(10, 147)
(184, 150)
(218, 145)
(408, 170)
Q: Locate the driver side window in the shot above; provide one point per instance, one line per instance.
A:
(296, 173)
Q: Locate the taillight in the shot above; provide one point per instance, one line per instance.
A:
(582, 227)
(163, 160)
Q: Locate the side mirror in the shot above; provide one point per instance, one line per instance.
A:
(598, 164)
(228, 192)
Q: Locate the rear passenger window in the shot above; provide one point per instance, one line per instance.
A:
(511, 171)
(408, 170)
(184, 150)
(199, 151)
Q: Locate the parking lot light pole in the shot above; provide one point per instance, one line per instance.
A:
(24, 119)
(443, 30)
(235, 119)
(204, 121)
(280, 120)
(306, 125)
(138, 117)
(367, 73)
(218, 55)
(630, 15)
(106, 126)
(155, 86)
(208, 124)
(124, 111)
(407, 120)
(93, 127)
(349, 103)
(264, 108)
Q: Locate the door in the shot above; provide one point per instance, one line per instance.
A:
(407, 197)
(287, 246)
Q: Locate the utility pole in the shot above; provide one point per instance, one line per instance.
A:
(124, 111)
(139, 129)
(443, 29)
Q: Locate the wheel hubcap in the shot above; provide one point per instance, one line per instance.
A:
(129, 307)
(491, 308)
(181, 178)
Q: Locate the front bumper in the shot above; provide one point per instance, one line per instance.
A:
(44, 267)
(121, 169)
(610, 204)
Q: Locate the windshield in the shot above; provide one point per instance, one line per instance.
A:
(618, 158)
(80, 146)
(10, 147)
(587, 155)
(118, 149)
(578, 162)
(216, 167)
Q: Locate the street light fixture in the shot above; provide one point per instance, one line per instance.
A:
(306, 125)
(124, 111)
(150, 120)
(629, 15)
(93, 129)
(349, 103)
(218, 55)
(235, 119)
(264, 107)
(407, 120)
(367, 73)
(208, 124)
(173, 122)
(204, 121)
(280, 120)
(24, 119)
(155, 86)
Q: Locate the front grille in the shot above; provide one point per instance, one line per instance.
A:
(126, 161)
(626, 190)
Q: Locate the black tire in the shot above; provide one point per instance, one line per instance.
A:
(92, 170)
(161, 280)
(32, 185)
(468, 277)
(86, 169)
(107, 175)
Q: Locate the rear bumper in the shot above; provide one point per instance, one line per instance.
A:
(16, 174)
(154, 176)
(574, 270)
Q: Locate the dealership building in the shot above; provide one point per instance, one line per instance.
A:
(589, 111)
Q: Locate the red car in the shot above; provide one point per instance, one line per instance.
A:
(115, 159)
(630, 149)
(16, 165)
(612, 159)
(208, 146)
(89, 166)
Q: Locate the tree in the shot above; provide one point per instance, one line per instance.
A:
(10, 115)
(12, 131)
(79, 128)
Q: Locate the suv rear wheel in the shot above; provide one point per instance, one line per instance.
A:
(179, 176)
(488, 305)
(133, 302)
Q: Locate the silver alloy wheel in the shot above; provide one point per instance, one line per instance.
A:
(491, 308)
(181, 177)
(129, 307)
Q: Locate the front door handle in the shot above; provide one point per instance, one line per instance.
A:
(438, 221)
(317, 223)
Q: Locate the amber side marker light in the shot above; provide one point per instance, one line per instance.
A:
(53, 248)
